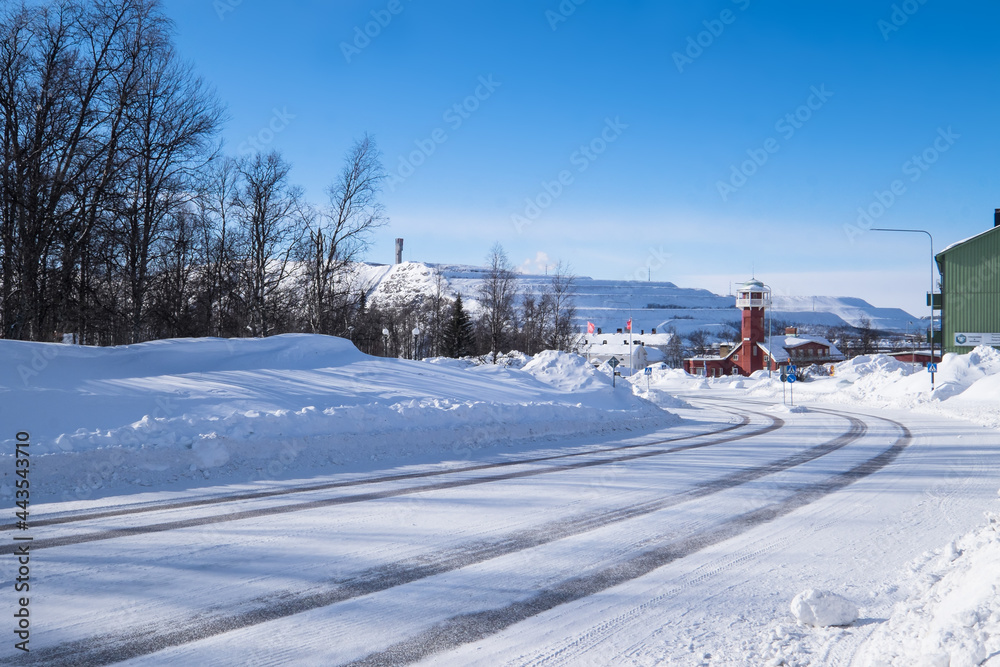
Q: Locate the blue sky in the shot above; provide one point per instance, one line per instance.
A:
(695, 142)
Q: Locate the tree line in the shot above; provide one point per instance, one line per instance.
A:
(123, 220)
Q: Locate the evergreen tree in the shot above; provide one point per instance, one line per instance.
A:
(458, 336)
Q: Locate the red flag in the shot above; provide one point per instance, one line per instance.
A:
(590, 327)
(629, 325)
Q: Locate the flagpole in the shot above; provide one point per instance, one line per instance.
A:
(628, 326)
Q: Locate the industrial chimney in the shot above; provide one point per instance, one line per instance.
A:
(399, 249)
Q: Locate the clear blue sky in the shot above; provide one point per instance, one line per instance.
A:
(886, 81)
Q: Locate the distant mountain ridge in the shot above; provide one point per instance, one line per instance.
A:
(610, 303)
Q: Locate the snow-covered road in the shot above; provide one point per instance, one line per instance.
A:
(684, 546)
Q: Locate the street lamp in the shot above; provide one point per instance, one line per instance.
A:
(416, 332)
(385, 342)
(770, 325)
(931, 293)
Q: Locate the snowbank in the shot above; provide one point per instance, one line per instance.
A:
(951, 616)
(169, 412)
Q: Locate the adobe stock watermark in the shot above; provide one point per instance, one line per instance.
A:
(280, 119)
(223, 7)
(363, 35)
(656, 260)
(581, 159)
(41, 355)
(562, 13)
(696, 44)
(454, 117)
(786, 126)
(899, 17)
(914, 168)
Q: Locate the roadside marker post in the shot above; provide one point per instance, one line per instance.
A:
(648, 372)
(932, 369)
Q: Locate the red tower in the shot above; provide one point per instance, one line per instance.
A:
(754, 297)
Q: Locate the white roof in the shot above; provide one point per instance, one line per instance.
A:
(974, 236)
(622, 351)
(784, 343)
(612, 337)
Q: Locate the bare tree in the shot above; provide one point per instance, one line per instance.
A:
(267, 208)
(95, 111)
(675, 351)
(497, 295)
(698, 341)
(172, 121)
(535, 322)
(217, 293)
(338, 234)
(868, 335)
(563, 308)
(438, 315)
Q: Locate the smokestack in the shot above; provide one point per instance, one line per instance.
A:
(399, 251)
(996, 217)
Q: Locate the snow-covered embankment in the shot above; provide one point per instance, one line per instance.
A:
(174, 413)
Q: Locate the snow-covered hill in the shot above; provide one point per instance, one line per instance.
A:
(651, 305)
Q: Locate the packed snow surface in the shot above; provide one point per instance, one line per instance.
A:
(426, 544)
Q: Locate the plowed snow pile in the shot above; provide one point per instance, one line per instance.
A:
(174, 411)
(952, 614)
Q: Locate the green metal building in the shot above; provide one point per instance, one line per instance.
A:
(970, 291)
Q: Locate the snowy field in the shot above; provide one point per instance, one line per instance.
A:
(292, 501)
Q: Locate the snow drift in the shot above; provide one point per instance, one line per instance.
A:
(173, 411)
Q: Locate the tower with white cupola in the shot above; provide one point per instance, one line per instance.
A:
(753, 298)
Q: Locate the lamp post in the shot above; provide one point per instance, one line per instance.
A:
(770, 346)
(416, 332)
(931, 293)
(385, 342)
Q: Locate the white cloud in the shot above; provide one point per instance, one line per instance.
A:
(540, 264)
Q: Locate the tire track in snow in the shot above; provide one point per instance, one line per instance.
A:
(144, 640)
(469, 628)
(131, 531)
(256, 495)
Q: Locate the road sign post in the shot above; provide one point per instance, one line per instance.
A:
(613, 362)
(932, 369)
(647, 373)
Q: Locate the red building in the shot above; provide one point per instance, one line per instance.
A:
(757, 351)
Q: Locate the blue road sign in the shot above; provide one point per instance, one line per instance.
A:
(791, 369)
(791, 377)
(648, 371)
(784, 377)
(932, 368)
